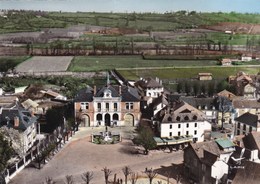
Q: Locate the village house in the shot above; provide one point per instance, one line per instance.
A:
(226, 62)
(23, 121)
(107, 106)
(149, 88)
(207, 105)
(246, 123)
(251, 141)
(179, 119)
(242, 105)
(246, 57)
(205, 76)
(207, 162)
(227, 94)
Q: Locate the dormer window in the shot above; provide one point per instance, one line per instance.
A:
(107, 93)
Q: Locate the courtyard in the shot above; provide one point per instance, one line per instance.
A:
(80, 155)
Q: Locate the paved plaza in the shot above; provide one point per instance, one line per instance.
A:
(80, 155)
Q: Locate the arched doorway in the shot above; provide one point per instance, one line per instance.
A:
(99, 118)
(129, 120)
(85, 120)
(115, 119)
(107, 120)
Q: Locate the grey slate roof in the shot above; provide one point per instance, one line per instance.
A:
(248, 119)
(84, 95)
(25, 118)
(128, 94)
(148, 83)
(204, 103)
(114, 91)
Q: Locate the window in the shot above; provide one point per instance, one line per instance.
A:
(170, 134)
(179, 133)
(187, 125)
(187, 132)
(129, 105)
(244, 127)
(195, 132)
(195, 125)
(179, 125)
(170, 126)
(115, 106)
(195, 117)
(99, 107)
(107, 106)
(250, 129)
(186, 118)
(178, 118)
(238, 132)
(238, 125)
(84, 105)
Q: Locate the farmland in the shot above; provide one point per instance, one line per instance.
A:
(182, 73)
(45, 64)
(98, 63)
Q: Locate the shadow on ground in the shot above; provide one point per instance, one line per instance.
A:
(175, 171)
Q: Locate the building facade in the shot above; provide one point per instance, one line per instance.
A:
(107, 106)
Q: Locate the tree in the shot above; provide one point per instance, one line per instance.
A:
(145, 139)
(69, 179)
(107, 173)
(49, 180)
(14, 138)
(126, 170)
(224, 105)
(87, 177)
(150, 174)
(134, 177)
(6, 152)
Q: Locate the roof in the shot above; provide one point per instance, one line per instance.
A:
(29, 103)
(245, 103)
(148, 83)
(84, 95)
(226, 60)
(248, 119)
(7, 100)
(180, 112)
(127, 93)
(25, 118)
(224, 143)
(227, 94)
(204, 103)
(252, 141)
(52, 93)
(205, 74)
(249, 174)
(159, 100)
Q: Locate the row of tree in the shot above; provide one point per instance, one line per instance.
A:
(130, 177)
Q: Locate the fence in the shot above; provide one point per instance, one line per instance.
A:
(38, 152)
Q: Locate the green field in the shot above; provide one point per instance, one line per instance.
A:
(98, 63)
(182, 73)
(35, 21)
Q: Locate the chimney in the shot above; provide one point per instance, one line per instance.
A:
(16, 122)
(120, 90)
(95, 89)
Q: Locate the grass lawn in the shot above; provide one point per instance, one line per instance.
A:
(97, 63)
(174, 73)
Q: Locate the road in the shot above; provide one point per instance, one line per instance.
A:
(80, 155)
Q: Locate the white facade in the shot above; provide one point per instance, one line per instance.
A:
(154, 92)
(28, 137)
(196, 129)
(246, 58)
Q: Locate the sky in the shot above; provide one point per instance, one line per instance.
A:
(161, 6)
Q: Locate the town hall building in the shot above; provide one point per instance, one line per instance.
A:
(110, 105)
